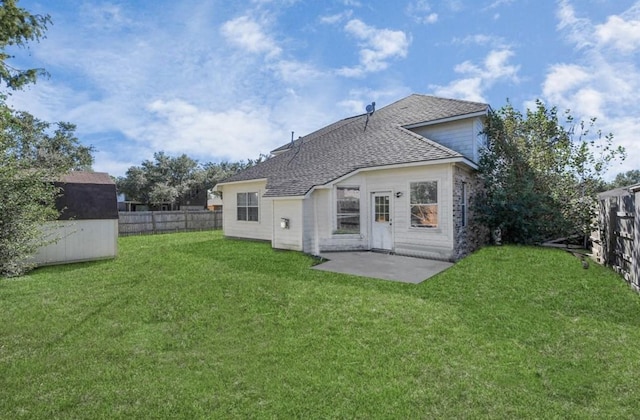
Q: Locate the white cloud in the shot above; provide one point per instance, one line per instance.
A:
(377, 47)
(431, 18)
(454, 5)
(420, 11)
(578, 30)
(470, 89)
(248, 34)
(498, 3)
(562, 78)
(621, 32)
(496, 66)
(477, 79)
(296, 72)
(481, 39)
(181, 127)
(604, 81)
(338, 17)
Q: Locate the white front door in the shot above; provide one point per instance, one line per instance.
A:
(381, 237)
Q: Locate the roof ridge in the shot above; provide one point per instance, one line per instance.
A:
(449, 99)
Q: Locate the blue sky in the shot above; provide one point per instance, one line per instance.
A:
(228, 80)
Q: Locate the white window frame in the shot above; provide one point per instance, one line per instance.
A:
(336, 214)
(247, 206)
(437, 205)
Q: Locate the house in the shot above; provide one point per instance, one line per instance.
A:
(214, 203)
(87, 228)
(398, 179)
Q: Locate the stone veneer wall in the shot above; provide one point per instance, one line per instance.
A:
(466, 239)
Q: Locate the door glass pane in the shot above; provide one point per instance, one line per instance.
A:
(381, 209)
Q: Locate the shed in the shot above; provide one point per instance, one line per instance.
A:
(87, 228)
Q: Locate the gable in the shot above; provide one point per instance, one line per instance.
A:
(462, 136)
(87, 196)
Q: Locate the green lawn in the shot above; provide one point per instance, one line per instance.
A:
(196, 326)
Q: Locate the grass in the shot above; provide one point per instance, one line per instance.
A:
(197, 326)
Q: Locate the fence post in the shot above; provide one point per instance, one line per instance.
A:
(635, 255)
(611, 231)
(153, 222)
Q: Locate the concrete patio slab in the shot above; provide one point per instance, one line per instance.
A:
(382, 266)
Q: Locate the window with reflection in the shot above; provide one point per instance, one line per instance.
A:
(424, 204)
(347, 210)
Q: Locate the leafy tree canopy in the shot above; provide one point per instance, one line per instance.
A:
(541, 174)
(167, 179)
(17, 28)
(31, 155)
(626, 179)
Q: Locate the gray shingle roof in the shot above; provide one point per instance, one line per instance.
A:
(84, 177)
(346, 146)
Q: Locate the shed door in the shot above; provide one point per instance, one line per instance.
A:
(381, 222)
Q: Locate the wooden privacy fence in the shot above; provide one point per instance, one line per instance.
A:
(616, 240)
(149, 222)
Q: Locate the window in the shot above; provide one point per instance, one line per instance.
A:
(424, 204)
(348, 210)
(248, 206)
(463, 206)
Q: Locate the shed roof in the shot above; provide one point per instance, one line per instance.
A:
(634, 188)
(85, 177)
(616, 192)
(359, 142)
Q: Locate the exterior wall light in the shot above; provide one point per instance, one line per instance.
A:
(398, 194)
(284, 223)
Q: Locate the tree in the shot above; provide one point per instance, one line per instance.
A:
(31, 158)
(32, 154)
(35, 145)
(165, 179)
(541, 176)
(174, 180)
(625, 179)
(17, 28)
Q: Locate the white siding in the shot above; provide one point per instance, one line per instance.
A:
(423, 242)
(79, 240)
(312, 209)
(263, 228)
(461, 136)
(480, 139)
(290, 238)
(330, 241)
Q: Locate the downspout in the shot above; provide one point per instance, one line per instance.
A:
(273, 223)
(316, 240)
